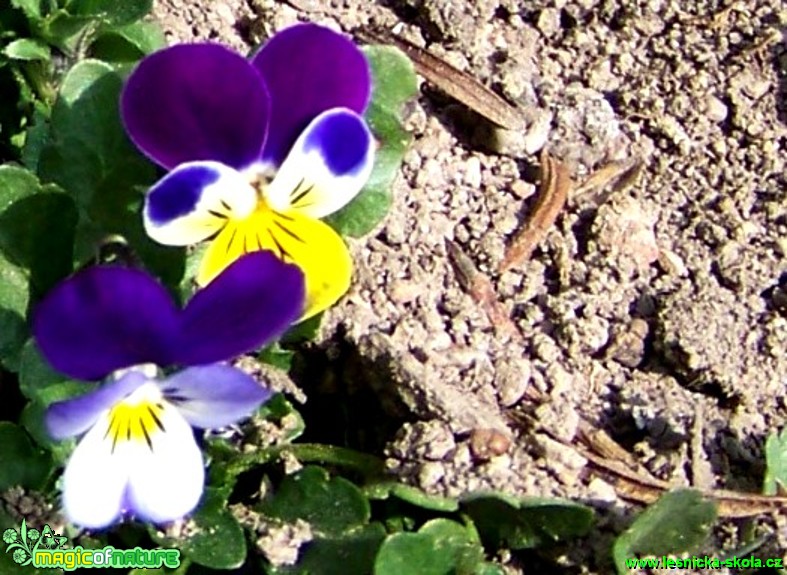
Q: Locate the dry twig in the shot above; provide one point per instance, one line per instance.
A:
(456, 83)
(636, 484)
(620, 174)
(480, 288)
(553, 192)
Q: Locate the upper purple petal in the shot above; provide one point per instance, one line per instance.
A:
(194, 102)
(309, 69)
(252, 301)
(105, 318)
(216, 395)
(75, 416)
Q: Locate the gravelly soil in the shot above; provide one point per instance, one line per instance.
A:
(655, 312)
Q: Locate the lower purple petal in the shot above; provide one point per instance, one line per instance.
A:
(75, 416)
(309, 69)
(251, 302)
(105, 318)
(214, 395)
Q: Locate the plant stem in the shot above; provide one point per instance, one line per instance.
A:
(366, 465)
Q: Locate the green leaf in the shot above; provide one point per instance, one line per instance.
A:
(16, 184)
(91, 158)
(504, 521)
(440, 547)
(36, 228)
(111, 11)
(218, 541)
(35, 374)
(44, 386)
(393, 83)
(330, 505)
(352, 553)
(23, 464)
(37, 233)
(678, 522)
(393, 77)
(68, 32)
(36, 138)
(27, 49)
(275, 355)
(31, 8)
(90, 150)
(775, 480)
(128, 43)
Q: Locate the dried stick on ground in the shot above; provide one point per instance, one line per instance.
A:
(456, 83)
(480, 288)
(553, 192)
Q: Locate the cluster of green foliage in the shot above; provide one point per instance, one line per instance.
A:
(70, 179)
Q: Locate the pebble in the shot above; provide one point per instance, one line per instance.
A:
(716, 109)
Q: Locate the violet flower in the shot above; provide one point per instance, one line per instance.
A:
(258, 150)
(137, 453)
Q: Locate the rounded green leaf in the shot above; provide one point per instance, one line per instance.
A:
(393, 83)
(27, 49)
(23, 463)
(440, 547)
(505, 521)
(331, 506)
(678, 522)
(352, 553)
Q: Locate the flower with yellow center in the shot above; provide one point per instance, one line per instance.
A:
(258, 151)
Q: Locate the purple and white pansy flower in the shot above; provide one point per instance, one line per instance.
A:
(137, 454)
(258, 150)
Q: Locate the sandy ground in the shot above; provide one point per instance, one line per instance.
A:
(654, 312)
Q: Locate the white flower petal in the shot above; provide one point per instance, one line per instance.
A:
(194, 201)
(167, 478)
(95, 479)
(329, 164)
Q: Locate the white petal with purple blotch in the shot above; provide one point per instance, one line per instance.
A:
(326, 168)
(194, 201)
(214, 395)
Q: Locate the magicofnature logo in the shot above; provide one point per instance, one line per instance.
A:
(43, 550)
(24, 543)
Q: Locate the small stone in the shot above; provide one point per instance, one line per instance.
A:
(672, 263)
(716, 109)
(556, 452)
(225, 13)
(548, 22)
(538, 132)
(488, 443)
(628, 345)
(601, 491)
(473, 172)
(430, 474)
(625, 229)
(513, 381)
(522, 189)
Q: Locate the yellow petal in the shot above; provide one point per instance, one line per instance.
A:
(308, 243)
